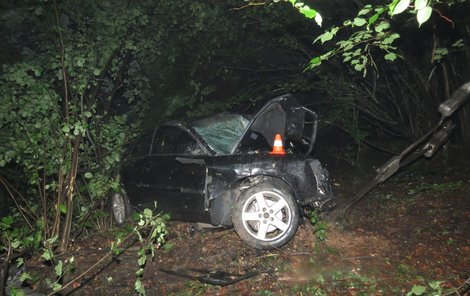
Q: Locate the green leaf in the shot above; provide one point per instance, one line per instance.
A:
(8, 220)
(435, 285)
(57, 287)
(148, 213)
(139, 272)
(63, 208)
(390, 56)
(420, 4)
(58, 268)
(315, 61)
(359, 67)
(308, 12)
(327, 36)
(139, 287)
(37, 72)
(440, 53)
(365, 10)
(52, 240)
(391, 38)
(25, 276)
(142, 260)
(358, 21)
(88, 175)
(15, 244)
(418, 290)
(87, 114)
(401, 6)
(116, 251)
(59, 74)
(382, 26)
(458, 43)
(423, 15)
(47, 255)
(80, 62)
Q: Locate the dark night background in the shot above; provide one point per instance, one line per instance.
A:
(81, 80)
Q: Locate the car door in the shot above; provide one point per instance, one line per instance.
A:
(174, 174)
(133, 171)
(282, 115)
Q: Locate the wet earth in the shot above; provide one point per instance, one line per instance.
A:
(410, 235)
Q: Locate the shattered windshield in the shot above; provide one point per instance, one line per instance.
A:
(221, 132)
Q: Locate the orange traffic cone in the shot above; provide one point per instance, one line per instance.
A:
(278, 148)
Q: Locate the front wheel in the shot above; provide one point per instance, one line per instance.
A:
(121, 207)
(266, 215)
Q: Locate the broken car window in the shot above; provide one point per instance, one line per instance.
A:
(221, 132)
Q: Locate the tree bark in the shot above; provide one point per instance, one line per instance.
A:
(70, 185)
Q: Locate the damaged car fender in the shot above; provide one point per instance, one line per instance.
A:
(306, 177)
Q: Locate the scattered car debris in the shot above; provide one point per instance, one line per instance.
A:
(215, 277)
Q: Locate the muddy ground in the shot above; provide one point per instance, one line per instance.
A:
(411, 234)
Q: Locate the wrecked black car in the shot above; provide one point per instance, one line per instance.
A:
(250, 172)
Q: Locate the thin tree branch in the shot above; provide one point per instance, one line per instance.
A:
(250, 4)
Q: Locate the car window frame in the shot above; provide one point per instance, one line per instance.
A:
(181, 127)
(130, 152)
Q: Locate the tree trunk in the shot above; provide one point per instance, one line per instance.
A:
(464, 114)
(70, 185)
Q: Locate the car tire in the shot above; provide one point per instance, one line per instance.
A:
(121, 207)
(266, 215)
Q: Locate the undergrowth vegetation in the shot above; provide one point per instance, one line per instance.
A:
(148, 231)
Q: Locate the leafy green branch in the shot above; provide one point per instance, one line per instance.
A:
(66, 106)
(307, 11)
(371, 28)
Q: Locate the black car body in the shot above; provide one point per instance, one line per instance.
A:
(220, 170)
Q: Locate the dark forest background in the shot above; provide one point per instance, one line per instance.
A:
(81, 79)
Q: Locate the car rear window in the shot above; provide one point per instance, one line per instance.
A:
(221, 132)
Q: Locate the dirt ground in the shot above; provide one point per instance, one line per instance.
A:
(411, 233)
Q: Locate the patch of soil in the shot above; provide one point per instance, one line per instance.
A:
(412, 230)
